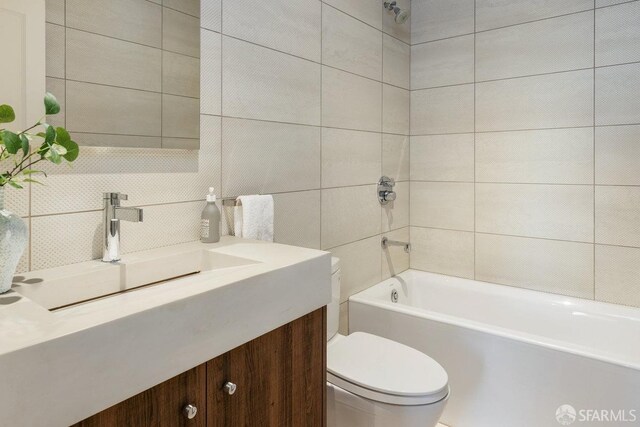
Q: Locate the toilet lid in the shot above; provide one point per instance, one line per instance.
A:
(385, 370)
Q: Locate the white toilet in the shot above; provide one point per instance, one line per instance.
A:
(376, 382)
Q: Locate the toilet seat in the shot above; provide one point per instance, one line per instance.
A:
(385, 371)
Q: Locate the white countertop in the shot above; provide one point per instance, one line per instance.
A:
(60, 367)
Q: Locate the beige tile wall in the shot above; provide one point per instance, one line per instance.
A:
(307, 100)
(525, 124)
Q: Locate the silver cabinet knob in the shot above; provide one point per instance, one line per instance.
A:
(190, 411)
(230, 388)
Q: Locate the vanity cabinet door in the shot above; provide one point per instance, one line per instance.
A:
(280, 378)
(161, 406)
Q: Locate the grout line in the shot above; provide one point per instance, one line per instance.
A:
(505, 26)
(551, 73)
(520, 236)
(133, 88)
(381, 29)
(529, 130)
(321, 114)
(475, 102)
(594, 146)
(321, 63)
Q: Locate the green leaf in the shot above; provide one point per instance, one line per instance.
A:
(15, 185)
(7, 115)
(25, 144)
(33, 172)
(33, 181)
(62, 136)
(55, 153)
(51, 105)
(50, 135)
(11, 141)
(72, 150)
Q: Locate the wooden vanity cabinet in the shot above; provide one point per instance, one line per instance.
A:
(279, 379)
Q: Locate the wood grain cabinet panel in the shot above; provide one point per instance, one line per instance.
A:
(280, 379)
(160, 406)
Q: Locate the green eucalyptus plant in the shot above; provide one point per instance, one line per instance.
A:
(56, 147)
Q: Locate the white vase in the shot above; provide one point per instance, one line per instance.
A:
(13, 240)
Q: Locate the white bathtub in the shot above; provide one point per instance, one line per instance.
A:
(513, 356)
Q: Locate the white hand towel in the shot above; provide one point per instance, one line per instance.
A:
(253, 217)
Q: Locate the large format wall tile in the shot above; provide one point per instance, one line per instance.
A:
(443, 251)
(180, 33)
(55, 11)
(439, 19)
(443, 62)
(618, 155)
(98, 59)
(603, 3)
(211, 73)
(618, 216)
(494, 14)
(442, 205)
(617, 101)
(190, 7)
(395, 214)
(351, 45)
(562, 212)
(442, 158)
(364, 10)
(349, 214)
(55, 51)
(617, 272)
(395, 157)
(181, 75)
(350, 157)
(551, 45)
(262, 84)
(556, 156)
(257, 157)
(350, 102)
(617, 35)
(360, 265)
(544, 265)
(548, 101)
(211, 15)
(297, 218)
(180, 117)
(396, 67)
(396, 103)
(288, 26)
(442, 110)
(132, 20)
(103, 109)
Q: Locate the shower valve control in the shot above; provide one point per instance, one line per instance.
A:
(385, 190)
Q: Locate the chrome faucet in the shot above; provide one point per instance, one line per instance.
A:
(386, 243)
(113, 214)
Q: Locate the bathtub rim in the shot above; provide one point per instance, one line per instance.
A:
(366, 297)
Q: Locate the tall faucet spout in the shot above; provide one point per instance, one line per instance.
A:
(113, 214)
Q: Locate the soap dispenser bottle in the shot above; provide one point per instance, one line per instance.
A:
(210, 220)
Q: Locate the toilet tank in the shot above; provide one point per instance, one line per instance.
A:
(333, 308)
